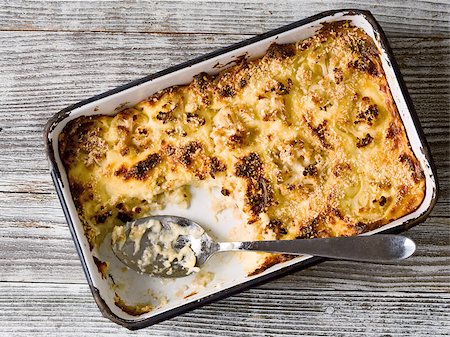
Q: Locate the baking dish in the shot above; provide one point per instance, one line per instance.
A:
(228, 277)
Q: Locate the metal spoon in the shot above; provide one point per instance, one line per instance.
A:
(375, 248)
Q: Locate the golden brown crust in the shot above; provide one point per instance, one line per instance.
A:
(271, 261)
(307, 140)
(102, 267)
(133, 310)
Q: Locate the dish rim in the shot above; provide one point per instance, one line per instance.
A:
(56, 175)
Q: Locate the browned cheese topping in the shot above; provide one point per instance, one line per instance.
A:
(306, 140)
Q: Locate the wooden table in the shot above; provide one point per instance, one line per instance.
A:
(56, 53)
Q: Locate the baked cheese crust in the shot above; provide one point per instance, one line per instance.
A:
(306, 140)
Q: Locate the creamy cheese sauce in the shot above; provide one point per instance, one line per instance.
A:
(161, 254)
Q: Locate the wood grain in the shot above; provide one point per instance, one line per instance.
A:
(68, 310)
(54, 53)
(409, 17)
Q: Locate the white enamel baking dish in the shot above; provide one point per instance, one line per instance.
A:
(172, 298)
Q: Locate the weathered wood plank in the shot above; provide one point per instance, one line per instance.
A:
(69, 310)
(409, 17)
(58, 69)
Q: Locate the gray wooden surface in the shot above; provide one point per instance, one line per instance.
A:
(56, 53)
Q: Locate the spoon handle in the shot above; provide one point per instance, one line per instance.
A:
(375, 248)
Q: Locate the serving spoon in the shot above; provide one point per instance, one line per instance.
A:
(176, 234)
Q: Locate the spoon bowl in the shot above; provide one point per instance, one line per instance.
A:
(159, 239)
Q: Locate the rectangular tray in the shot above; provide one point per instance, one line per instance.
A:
(133, 92)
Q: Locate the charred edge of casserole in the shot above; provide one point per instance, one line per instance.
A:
(82, 193)
(102, 267)
(271, 261)
(202, 81)
(78, 196)
(280, 51)
(365, 65)
(81, 135)
(393, 131)
(362, 46)
(190, 294)
(158, 95)
(413, 165)
(133, 310)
